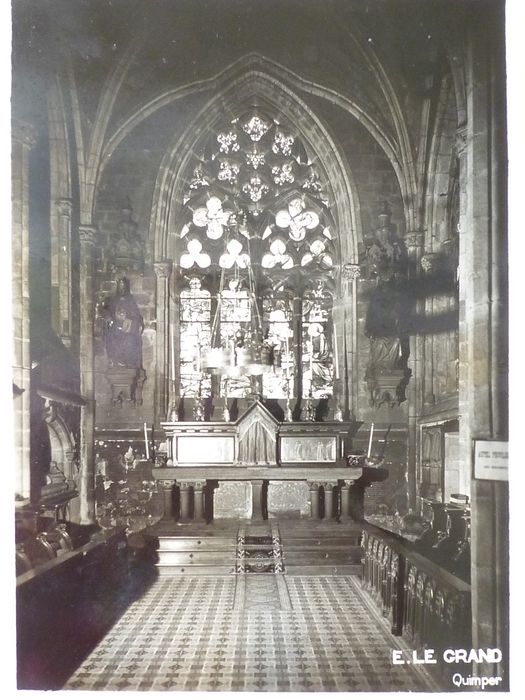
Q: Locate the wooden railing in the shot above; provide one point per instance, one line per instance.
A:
(426, 604)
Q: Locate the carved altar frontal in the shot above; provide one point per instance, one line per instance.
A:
(258, 439)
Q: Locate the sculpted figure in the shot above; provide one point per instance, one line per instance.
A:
(124, 326)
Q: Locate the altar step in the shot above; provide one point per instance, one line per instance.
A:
(196, 555)
(325, 548)
(270, 547)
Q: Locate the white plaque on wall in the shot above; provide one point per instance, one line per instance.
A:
(491, 460)
(205, 449)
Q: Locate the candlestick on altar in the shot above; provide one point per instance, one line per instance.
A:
(146, 440)
(370, 441)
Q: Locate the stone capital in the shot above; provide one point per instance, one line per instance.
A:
(163, 269)
(64, 206)
(351, 271)
(166, 484)
(185, 485)
(87, 234)
(347, 483)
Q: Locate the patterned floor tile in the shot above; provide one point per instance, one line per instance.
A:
(253, 632)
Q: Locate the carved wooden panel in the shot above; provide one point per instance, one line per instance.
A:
(257, 437)
(309, 449)
(205, 449)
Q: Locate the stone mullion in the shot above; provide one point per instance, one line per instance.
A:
(215, 380)
(23, 141)
(87, 235)
(297, 328)
(163, 376)
(414, 241)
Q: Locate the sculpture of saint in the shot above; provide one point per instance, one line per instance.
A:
(123, 330)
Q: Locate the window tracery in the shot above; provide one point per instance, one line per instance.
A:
(257, 224)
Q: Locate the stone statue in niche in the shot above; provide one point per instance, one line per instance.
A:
(388, 310)
(124, 326)
(385, 252)
(123, 341)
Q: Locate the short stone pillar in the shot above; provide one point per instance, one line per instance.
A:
(328, 488)
(314, 499)
(345, 500)
(185, 500)
(198, 499)
(167, 496)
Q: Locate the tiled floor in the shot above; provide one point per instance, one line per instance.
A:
(269, 632)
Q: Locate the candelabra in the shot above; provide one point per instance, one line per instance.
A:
(288, 411)
(198, 409)
(173, 411)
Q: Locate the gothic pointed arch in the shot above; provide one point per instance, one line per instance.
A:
(256, 87)
(255, 200)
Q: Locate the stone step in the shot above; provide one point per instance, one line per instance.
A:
(191, 558)
(327, 557)
(195, 570)
(196, 543)
(315, 545)
(320, 570)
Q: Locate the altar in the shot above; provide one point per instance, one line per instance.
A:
(258, 467)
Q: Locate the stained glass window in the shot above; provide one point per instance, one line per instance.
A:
(195, 332)
(259, 237)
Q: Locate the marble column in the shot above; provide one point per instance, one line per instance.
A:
(163, 376)
(87, 234)
(198, 496)
(185, 500)
(328, 500)
(314, 500)
(23, 140)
